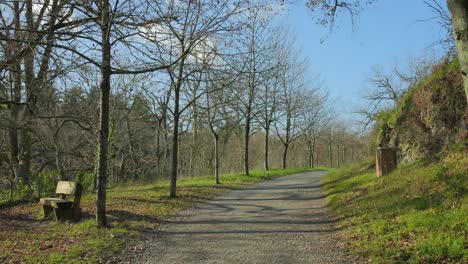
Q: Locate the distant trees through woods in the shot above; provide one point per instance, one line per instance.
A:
(112, 92)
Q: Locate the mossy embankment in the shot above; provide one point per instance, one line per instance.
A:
(429, 118)
(417, 214)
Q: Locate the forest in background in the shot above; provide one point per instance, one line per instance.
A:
(113, 93)
(110, 92)
(141, 91)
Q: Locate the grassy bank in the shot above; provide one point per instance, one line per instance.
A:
(417, 214)
(131, 210)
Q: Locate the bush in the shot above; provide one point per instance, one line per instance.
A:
(87, 180)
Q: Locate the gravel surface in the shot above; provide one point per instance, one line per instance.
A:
(278, 221)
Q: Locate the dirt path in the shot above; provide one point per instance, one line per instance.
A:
(279, 221)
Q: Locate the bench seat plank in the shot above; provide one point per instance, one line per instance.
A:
(48, 201)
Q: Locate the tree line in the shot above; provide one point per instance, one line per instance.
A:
(109, 92)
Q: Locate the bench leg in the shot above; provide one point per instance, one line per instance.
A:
(76, 214)
(47, 210)
(62, 214)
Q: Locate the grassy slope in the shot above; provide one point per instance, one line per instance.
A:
(417, 214)
(130, 209)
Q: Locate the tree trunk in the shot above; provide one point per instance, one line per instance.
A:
(311, 159)
(216, 153)
(103, 115)
(166, 148)
(247, 142)
(93, 186)
(330, 155)
(285, 155)
(175, 149)
(131, 147)
(24, 169)
(158, 147)
(459, 11)
(338, 156)
(317, 159)
(312, 154)
(14, 151)
(59, 163)
(15, 76)
(13, 132)
(267, 145)
(175, 136)
(16, 98)
(287, 140)
(192, 168)
(344, 156)
(122, 168)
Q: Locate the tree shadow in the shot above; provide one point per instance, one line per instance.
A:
(285, 187)
(25, 218)
(122, 215)
(260, 222)
(328, 230)
(287, 198)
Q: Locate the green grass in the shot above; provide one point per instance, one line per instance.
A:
(131, 210)
(417, 214)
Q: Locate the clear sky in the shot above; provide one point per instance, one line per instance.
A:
(387, 33)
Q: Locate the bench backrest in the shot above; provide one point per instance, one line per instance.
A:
(69, 188)
(66, 188)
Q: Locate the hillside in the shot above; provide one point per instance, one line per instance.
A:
(416, 214)
(429, 118)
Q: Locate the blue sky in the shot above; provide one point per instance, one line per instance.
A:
(387, 33)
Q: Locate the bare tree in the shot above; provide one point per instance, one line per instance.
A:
(216, 114)
(328, 10)
(459, 12)
(268, 97)
(385, 91)
(386, 88)
(316, 118)
(442, 16)
(289, 123)
(28, 37)
(179, 39)
(112, 30)
(123, 91)
(254, 63)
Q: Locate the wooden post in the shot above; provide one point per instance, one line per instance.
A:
(385, 161)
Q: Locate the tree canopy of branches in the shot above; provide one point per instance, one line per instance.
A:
(109, 92)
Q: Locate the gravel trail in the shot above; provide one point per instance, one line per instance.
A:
(283, 220)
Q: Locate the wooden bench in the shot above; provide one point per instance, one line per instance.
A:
(62, 207)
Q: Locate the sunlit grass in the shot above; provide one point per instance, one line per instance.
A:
(131, 210)
(417, 214)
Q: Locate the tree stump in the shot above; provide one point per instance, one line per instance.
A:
(385, 161)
